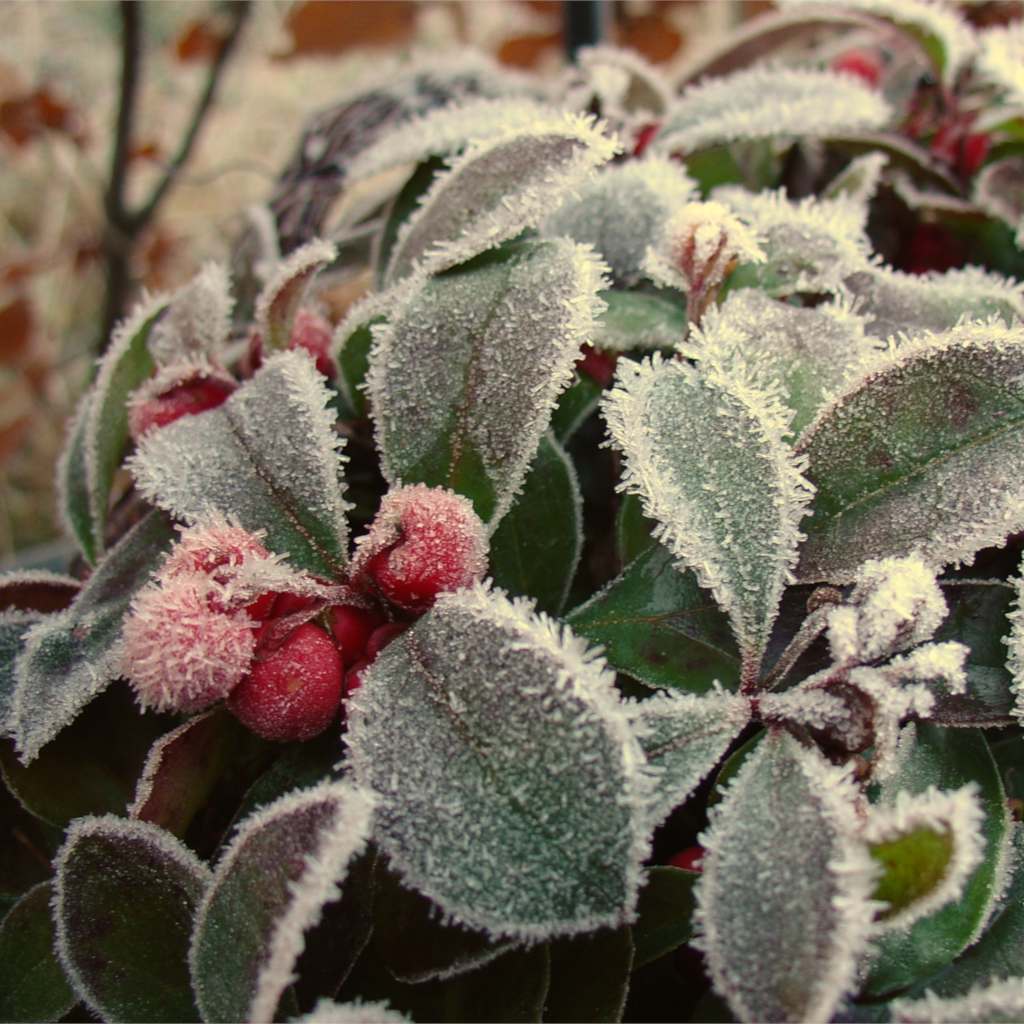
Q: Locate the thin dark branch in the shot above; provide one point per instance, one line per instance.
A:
(131, 32)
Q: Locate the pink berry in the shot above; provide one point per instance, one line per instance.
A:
(214, 548)
(292, 692)
(690, 859)
(179, 652)
(352, 628)
(313, 333)
(861, 63)
(424, 541)
(198, 392)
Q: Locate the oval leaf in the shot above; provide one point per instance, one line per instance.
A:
(664, 914)
(898, 472)
(271, 885)
(283, 293)
(705, 452)
(590, 976)
(269, 456)
(126, 957)
(439, 726)
(464, 376)
(72, 486)
(641, 320)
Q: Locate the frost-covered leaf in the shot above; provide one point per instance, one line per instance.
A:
(784, 902)
(124, 897)
(916, 454)
(892, 302)
(268, 456)
(640, 320)
(764, 102)
(684, 736)
(657, 625)
(590, 976)
(808, 352)
(399, 210)
(497, 189)
(536, 547)
(705, 452)
(73, 505)
(946, 759)
(70, 657)
(945, 36)
(327, 1011)
(464, 376)
(999, 190)
(198, 319)
(664, 914)
(124, 366)
(282, 295)
(620, 210)
(622, 85)
(1001, 61)
(416, 944)
(13, 627)
(810, 245)
(32, 982)
(927, 844)
(439, 727)
(270, 886)
(1001, 1000)
(351, 344)
(91, 766)
(859, 180)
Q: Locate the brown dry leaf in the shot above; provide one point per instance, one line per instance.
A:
(651, 35)
(23, 117)
(324, 26)
(16, 324)
(527, 52)
(199, 40)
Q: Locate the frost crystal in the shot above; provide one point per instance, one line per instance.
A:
(625, 86)
(1001, 61)
(327, 1011)
(684, 736)
(1015, 648)
(698, 245)
(939, 664)
(763, 102)
(621, 210)
(706, 454)
(438, 731)
(810, 245)
(784, 904)
(956, 813)
(1000, 1001)
(197, 322)
(497, 189)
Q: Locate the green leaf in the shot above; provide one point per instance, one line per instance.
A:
(946, 759)
(442, 722)
(464, 376)
(784, 898)
(536, 548)
(633, 530)
(71, 657)
(269, 456)
(664, 914)
(283, 293)
(657, 625)
(705, 452)
(13, 627)
(590, 976)
(32, 982)
(125, 895)
(898, 472)
(497, 189)
(640, 320)
(91, 766)
(73, 502)
(27, 846)
(575, 404)
(413, 941)
(270, 886)
(913, 864)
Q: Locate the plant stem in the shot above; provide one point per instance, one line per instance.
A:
(808, 632)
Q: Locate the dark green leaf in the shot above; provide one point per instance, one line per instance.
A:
(535, 550)
(353, 363)
(73, 487)
(574, 405)
(27, 846)
(401, 208)
(70, 657)
(664, 914)
(633, 530)
(13, 627)
(658, 626)
(125, 896)
(590, 976)
(947, 759)
(32, 982)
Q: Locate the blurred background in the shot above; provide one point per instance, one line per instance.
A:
(80, 232)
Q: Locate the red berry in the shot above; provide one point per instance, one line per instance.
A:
(313, 333)
(260, 608)
(292, 692)
(354, 677)
(352, 627)
(191, 396)
(690, 859)
(974, 148)
(644, 137)
(862, 63)
(598, 365)
(292, 604)
(381, 637)
(424, 541)
(932, 247)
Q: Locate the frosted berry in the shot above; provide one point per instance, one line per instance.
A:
(215, 548)
(313, 333)
(178, 652)
(690, 859)
(423, 542)
(352, 628)
(176, 393)
(866, 66)
(293, 692)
